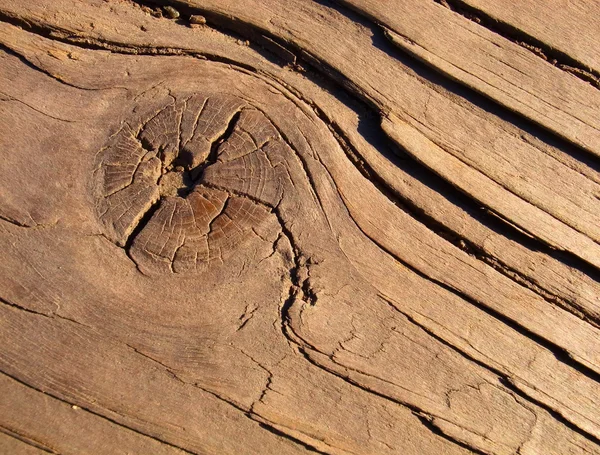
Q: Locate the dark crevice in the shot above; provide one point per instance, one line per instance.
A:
(185, 158)
(559, 352)
(287, 53)
(295, 273)
(406, 205)
(451, 89)
(487, 219)
(426, 176)
(191, 177)
(17, 223)
(553, 56)
(49, 315)
(26, 440)
(308, 293)
(84, 42)
(556, 415)
(297, 441)
(380, 42)
(423, 416)
(367, 125)
(313, 68)
(267, 46)
(369, 128)
(29, 64)
(144, 220)
(428, 422)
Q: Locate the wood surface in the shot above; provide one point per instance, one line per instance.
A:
(266, 227)
(492, 65)
(569, 28)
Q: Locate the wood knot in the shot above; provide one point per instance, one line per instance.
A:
(188, 184)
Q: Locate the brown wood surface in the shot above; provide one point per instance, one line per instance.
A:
(266, 228)
(492, 65)
(569, 27)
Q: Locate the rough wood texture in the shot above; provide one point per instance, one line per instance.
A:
(258, 227)
(492, 65)
(501, 152)
(569, 28)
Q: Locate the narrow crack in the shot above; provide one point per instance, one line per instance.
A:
(105, 45)
(26, 225)
(302, 345)
(428, 422)
(300, 285)
(141, 224)
(27, 440)
(503, 376)
(8, 98)
(183, 160)
(249, 413)
(198, 172)
(50, 315)
(423, 416)
(506, 382)
(280, 433)
(269, 46)
(45, 72)
(97, 414)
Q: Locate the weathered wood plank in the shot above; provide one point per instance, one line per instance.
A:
(568, 27)
(492, 65)
(292, 306)
(531, 323)
(552, 276)
(480, 139)
(198, 360)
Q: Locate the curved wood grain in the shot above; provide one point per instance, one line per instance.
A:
(213, 247)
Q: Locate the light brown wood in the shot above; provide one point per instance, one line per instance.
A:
(226, 235)
(492, 65)
(570, 27)
(65, 428)
(501, 152)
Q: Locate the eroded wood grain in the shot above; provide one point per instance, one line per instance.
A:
(492, 65)
(500, 151)
(569, 27)
(224, 261)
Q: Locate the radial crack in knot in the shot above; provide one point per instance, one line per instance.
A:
(191, 183)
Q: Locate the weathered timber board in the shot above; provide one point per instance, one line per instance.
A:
(568, 28)
(212, 247)
(494, 149)
(492, 65)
